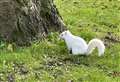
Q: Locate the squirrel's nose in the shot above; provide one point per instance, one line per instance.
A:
(60, 37)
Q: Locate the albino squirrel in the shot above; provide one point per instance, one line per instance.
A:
(78, 45)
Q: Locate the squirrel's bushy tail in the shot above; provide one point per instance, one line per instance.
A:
(96, 43)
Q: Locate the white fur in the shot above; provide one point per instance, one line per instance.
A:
(79, 46)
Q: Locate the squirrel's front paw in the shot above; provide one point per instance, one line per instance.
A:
(70, 51)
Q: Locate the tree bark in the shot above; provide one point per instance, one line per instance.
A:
(22, 21)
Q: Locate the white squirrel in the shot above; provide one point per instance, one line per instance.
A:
(78, 45)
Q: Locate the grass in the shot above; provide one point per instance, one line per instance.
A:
(49, 60)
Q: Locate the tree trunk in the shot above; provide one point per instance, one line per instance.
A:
(22, 21)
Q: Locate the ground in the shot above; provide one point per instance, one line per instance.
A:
(50, 61)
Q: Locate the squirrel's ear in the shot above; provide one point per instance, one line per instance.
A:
(65, 32)
(68, 31)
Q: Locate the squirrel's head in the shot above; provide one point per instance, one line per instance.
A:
(65, 34)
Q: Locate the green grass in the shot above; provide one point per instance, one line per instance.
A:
(49, 60)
